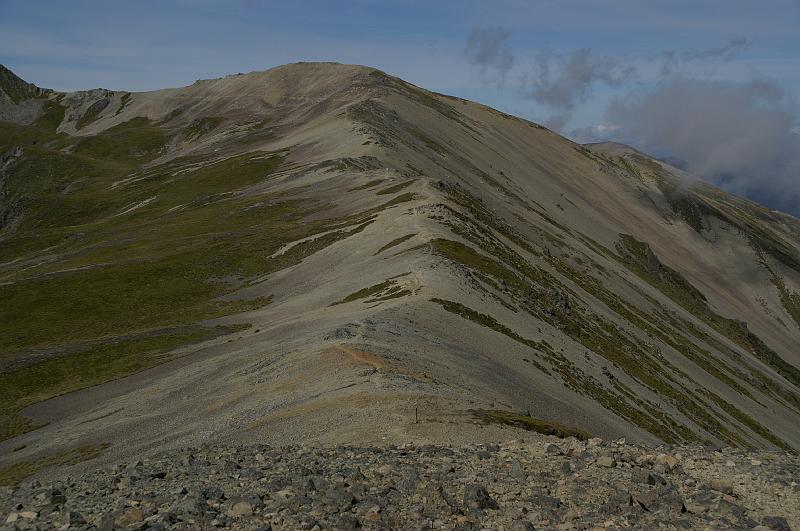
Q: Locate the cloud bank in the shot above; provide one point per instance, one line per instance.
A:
(740, 136)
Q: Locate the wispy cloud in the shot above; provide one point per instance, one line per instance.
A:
(673, 61)
(488, 50)
(563, 80)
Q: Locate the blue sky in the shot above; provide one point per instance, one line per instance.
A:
(581, 67)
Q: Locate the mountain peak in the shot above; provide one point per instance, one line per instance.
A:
(393, 250)
(17, 89)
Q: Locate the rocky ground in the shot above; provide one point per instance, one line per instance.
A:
(547, 484)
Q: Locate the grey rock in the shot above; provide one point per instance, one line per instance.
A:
(722, 485)
(477, 497)
(517, 472)
(778, 523)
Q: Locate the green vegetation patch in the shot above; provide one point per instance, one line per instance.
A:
(91, 113)
(490, 322)
(528, 423)
(748, 421)
(543, 296)
(202, 126)
(396, 188)
(134, 140)
(113, 264)
(641, 256)
(789, 299)
(399, 200)
(12, 475)
(51, 116)
(388, 289)
(683, 203)
(640, 259)
(101, 363)
(367, 185)
(123, 102)
(396, 241)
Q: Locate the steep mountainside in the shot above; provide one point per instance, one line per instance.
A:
(325, 253)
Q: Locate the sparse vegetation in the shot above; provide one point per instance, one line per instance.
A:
(367, 185)
(202, 126)
(135, 140)
(91, 113)
(388, 289)
(396, 188)
(52, 115)
(396, 241)
(641, 260)
(138, 255)
(526, 422)
(11, 475)
(123, 102)
(107, 360)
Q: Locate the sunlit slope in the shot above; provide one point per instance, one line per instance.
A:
(333, 243)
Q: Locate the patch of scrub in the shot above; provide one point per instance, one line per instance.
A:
(202, 126)
(640, 259)
(91, 113)
(97, 364)
(388, 289)
(528, 423)
(12, 475)
(396, 188)
(396, 241)
(367, 185)
(123, 102)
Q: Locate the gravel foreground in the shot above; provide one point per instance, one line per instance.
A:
(548, 484)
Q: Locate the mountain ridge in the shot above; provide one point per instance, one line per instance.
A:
(323, 252)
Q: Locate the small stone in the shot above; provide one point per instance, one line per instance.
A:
(647, 499)
(669, 462)
(241, 508)
(696, 508)
(517, 472)
(721, 485)
(553, 449)
(57, 498)
(477, 497)
(755, 462)
(131, 516)
(12, 517)
(645, 477)
(284, 494)
(29, 515)
(606, 461)
(778, 523)
(75, 518)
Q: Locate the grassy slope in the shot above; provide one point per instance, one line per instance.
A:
(111, 265)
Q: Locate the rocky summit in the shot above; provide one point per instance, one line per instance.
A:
(383, 285)
(523, 485)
